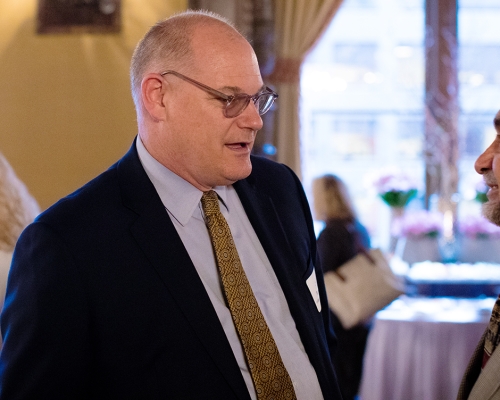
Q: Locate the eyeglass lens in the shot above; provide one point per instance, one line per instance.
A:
(263, 102)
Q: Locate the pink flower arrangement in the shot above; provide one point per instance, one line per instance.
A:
(476, 226)
(419, 223)
(395, 187)
(394, 182)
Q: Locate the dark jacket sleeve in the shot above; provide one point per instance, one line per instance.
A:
(43, 271)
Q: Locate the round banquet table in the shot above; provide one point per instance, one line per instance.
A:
(418, 348)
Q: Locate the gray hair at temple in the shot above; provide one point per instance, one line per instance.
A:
(17, 207)
(167, 46)
(331, 199)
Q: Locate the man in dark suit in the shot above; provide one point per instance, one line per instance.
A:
(114, 292)
(481, 380)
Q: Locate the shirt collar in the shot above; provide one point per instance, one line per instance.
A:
(179, 197)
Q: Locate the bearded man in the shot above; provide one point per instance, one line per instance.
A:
(481, 380)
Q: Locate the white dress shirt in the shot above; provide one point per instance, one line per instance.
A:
(182, 202)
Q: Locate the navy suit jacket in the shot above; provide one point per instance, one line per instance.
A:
(103, 301)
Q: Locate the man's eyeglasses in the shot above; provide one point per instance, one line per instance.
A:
(235, 104)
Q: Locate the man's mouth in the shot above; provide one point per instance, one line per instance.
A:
(493, 191)
(490, 180)
(491, 184)
(237, 145)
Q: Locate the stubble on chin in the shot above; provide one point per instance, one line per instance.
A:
(491, 211)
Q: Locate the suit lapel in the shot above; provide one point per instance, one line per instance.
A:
(266, 223)
(471, 372)
(158, 239)
(488, 382)
(281, 250)
(262, 215)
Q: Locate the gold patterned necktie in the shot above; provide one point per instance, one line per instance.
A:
(492, 338)
(269, 375)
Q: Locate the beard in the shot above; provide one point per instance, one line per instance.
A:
(491, 211)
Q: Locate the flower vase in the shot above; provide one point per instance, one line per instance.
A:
(479, 249)
(396, 214)
(420, 248)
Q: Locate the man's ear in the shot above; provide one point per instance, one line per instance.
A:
(152, 91)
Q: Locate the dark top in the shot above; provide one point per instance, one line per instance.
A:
(337, 242)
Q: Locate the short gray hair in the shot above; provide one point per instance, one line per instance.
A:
(167, 45)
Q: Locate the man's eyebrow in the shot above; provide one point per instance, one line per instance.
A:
(238, 90)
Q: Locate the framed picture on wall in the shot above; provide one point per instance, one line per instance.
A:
(78, 16)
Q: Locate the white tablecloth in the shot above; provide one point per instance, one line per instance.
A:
(418, 349)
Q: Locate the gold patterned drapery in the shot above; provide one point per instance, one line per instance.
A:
(298, 25)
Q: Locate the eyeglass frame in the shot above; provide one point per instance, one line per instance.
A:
(222, 96)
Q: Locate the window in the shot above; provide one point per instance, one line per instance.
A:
(362, 97)
(479, 90)
(362, 100)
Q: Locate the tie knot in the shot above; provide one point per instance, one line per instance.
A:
(210, 202)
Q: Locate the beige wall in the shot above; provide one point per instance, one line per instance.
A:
(65, 109)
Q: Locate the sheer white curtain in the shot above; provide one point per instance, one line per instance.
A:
(298, 24)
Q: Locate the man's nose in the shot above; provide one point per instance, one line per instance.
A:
(251, 117)
(484, 162)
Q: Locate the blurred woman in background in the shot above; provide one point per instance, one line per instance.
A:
(342, 238)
